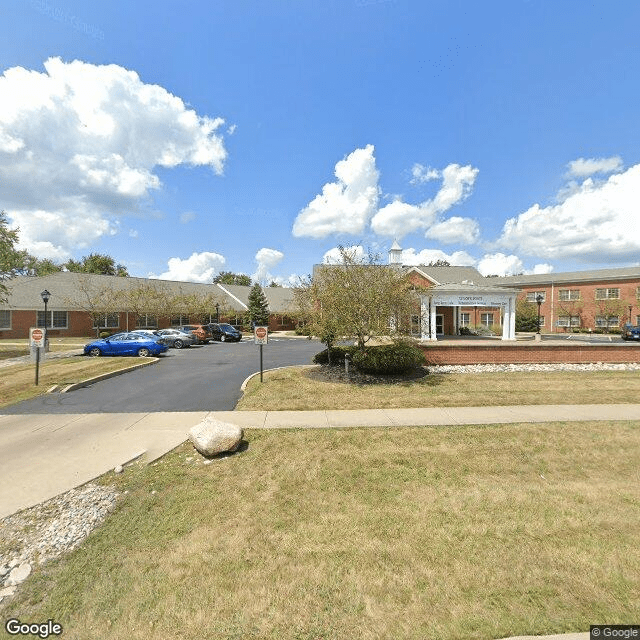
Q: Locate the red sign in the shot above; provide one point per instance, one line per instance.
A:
(37, 335)
(261, 332)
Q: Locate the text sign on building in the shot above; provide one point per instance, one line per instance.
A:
(36, 337)
(261, 335)
(470, 300)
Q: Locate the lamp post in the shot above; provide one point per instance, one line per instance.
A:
(539, 300)
(218, 312)
(630, 307)
(45, 295)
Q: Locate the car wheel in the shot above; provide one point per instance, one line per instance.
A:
(223, 338)
(143, 352)
(95, 352)
(178, 344)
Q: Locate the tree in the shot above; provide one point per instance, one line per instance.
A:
(439, 263)
(273, 283)
(228, 277)
(358, 298)
(97, 263)
(11, 259)
(526, 315)
(258, 306)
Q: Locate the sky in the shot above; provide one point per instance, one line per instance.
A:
(185, 139)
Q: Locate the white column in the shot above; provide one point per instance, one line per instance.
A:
(506, 320)
(432, 320)
(424, 317)
(512, 324)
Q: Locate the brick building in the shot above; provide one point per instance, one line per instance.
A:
(83, 304)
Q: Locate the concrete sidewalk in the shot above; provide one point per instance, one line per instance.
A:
(45, 455)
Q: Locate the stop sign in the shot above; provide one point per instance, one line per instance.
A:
(37, 335)
(261, 333)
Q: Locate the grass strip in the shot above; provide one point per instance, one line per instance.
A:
(295, 389)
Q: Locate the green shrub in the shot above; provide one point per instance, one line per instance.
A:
(337, 355)
(105, 334)
(400, 357)
(302, 330)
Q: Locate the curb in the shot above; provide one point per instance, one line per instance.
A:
(243, 386)
(106, 376)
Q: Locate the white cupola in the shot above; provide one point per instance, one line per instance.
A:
(395, 253)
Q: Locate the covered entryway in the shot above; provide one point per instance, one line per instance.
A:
(465, 295)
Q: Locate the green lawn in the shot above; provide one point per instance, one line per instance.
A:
(466, 533)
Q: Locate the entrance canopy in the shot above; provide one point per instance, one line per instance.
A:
(467, 295)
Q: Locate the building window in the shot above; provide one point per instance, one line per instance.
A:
(107, 321)
(568, 321)
(486, 319)
(637, 293)
(464, 319)
(607, 322)
(146, 321)
(532, 295)
(56, 319)
(541, 321)
(566, 295)
(5, 319)
(612, 293)
(179, 320)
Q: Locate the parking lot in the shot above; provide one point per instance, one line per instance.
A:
(200, 378)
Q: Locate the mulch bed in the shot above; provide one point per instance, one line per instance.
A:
(326, 373)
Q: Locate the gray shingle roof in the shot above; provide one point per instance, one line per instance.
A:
(448, 275)
(625, 273)
(67, 290)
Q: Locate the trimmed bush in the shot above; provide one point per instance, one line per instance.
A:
(399, 357)
(337, 355)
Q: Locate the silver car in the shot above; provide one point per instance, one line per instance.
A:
(176, 339)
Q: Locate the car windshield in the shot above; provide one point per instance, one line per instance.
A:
(227, 326)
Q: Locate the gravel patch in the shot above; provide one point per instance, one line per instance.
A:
(46, 531)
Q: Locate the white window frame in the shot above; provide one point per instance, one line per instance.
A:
(150, 321)
(465, 319)
(102, 321)
(568, 321)
(6, 313)
(484, 319)
(40, 319)
(532, 295)
(608, 293)
(568, 295)
(604, 322)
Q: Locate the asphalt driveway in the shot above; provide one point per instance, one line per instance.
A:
(201, 378)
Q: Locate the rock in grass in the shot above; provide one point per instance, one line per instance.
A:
(212, 436)
(18, 574)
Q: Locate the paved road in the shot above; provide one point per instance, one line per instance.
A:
(204, 378)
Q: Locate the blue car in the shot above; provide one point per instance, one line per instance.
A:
(128, 343)
(631, 333)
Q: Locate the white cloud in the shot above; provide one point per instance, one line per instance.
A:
(267, 259)
(187, 216)
(595, 223)
(455, 230)
(81, 142)
(421, 174)
(585, 167)
(499, 264)
(334, 256)
(542, 268)
(398, 218)
(344, 206)
(199, 267)
(425, 256)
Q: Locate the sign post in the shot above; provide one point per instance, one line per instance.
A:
(37, 340)
(261, 337)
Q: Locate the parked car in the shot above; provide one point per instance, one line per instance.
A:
(224, 332)
(630, 332)
(199, 331)
(177, 339)
(128, 343)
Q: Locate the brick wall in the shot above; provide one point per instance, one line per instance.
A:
(531, 354)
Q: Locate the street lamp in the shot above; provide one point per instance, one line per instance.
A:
(630, 307)
(539, 300)
(45, 295)
(218, 312)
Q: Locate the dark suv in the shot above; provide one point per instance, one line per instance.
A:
(630, 332)
(224, 332)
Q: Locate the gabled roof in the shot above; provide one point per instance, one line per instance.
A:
(280, 299)
(447, 275)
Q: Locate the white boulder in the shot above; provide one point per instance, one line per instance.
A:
(212, 436)
(18, 574)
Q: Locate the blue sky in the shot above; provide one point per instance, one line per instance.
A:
(257, 136)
